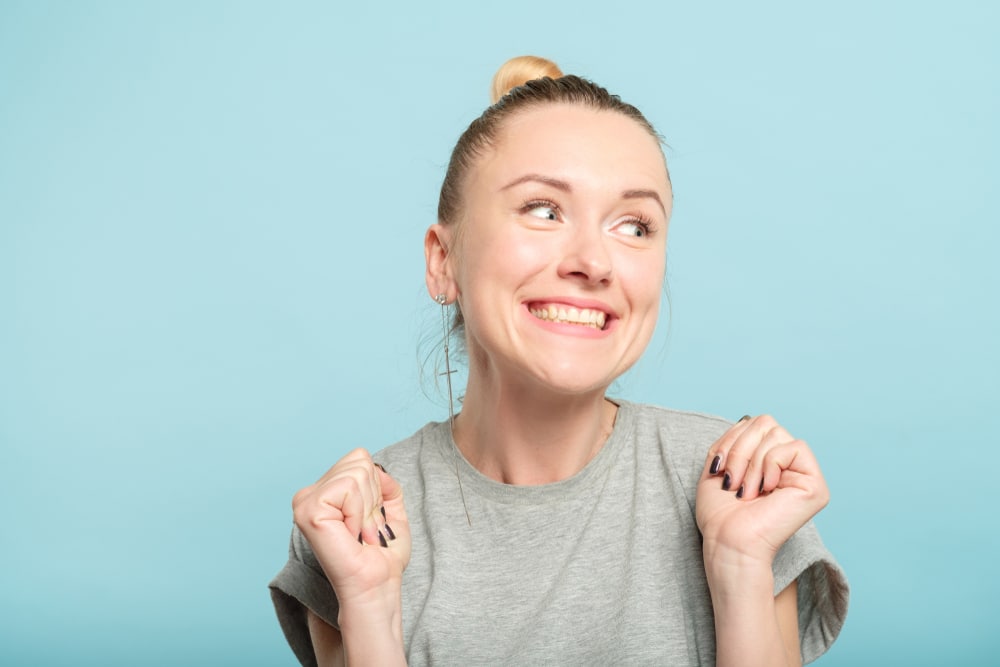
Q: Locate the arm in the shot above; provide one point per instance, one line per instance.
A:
(369, 642)
(327, 642)
(346, 518)
(328, 645)
(771, 486)
(752, 627)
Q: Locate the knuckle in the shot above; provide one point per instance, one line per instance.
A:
(300, 496)
(300, 517)
(767, 421)
(313, 521)
(354, 483)
(820, 494)
(357, 454)
(740, 450)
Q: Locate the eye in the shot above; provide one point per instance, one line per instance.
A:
(543, 210)
(636, 228)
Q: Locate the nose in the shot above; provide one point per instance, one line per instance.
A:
(586, 257)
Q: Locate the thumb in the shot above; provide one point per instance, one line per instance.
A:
(392, 494)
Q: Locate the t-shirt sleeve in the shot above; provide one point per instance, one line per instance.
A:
(298, 587)
(822, 589)
(822, 586)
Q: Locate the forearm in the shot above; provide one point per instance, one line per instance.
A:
(372, 632)
(752, 627)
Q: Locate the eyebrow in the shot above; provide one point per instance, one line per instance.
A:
(538, 178)
(565, 187)
(645, 194)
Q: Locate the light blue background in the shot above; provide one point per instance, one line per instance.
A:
(211, 286)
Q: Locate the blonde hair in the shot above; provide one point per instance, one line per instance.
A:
(520, 70)
(521, 83)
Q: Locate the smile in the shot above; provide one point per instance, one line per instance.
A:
(569, 315)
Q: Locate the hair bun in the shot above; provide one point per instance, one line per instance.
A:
(520, 70)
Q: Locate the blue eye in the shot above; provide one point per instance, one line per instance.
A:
(636, 228)
(542, 209)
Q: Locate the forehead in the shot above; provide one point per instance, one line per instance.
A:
(589, 147)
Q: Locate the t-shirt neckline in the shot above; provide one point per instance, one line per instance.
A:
(479, 484)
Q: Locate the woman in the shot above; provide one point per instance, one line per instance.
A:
(547, 523)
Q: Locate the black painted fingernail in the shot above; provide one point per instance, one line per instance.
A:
(739, 494)
(743, 418)
(727, 481)
(360, 541)
(715, 465)
(383, 511)
(388, 531)
(381, 539)
(761, 489)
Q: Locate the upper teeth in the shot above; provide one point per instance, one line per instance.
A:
(586, 316)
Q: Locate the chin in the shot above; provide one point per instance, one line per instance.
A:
(576, 381)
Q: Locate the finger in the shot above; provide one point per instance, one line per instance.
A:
(371, 532)
(753, 482)
(391, 492)
(347, 461)
(351, 493)
(328, 509)
(374, 518)
(793, 466)
(761, 434)
(795, 456)
(379, 515)
(393, 509)
(359, 464)
(778, 473)
(331, 521)
(347, 465)
(346, 493)
(715, 462)
(349, 486)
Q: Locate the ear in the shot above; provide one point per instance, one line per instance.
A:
(437, 249)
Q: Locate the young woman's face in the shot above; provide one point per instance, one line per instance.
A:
(560, 262)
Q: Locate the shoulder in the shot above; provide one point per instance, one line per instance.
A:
(410, 459)
(672, 416)
(681, 431)
(675, 442)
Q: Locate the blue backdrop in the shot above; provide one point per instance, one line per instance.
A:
(211, 286)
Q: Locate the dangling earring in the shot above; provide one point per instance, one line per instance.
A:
(446, 330)
(442, 300)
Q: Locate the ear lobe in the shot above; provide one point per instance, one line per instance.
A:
(437, 246)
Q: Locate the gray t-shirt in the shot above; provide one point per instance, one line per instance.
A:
(602, 568)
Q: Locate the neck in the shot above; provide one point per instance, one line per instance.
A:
(520, 436)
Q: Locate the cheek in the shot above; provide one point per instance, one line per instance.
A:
(506, 258)
(527, 253)
(645, 280)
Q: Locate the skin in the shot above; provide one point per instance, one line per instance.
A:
(569, 208)
(547, 221)
(341, 516)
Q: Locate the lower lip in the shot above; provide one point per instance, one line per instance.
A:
(567, 329)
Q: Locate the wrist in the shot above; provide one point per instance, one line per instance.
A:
(375, 608)
(733, 573)
(372, 630)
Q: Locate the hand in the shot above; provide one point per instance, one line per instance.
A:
(355, 521)
(770, 486)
